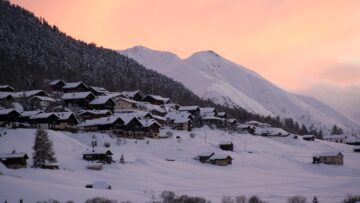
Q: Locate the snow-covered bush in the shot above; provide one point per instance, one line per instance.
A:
(100, 200)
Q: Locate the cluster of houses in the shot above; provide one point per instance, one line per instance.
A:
(217, 159)
(77, 106)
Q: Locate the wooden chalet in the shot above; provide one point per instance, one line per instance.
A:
(14, 160)
(194, 110)
(70, 87)
(44, 120)
(204, 157)
(221, 160)
(102, 102)
(9, 118)
(78, 98)
(309, 137)
(125, 103)
(138, 128)
(226, 146)
(136, 95)
(56, 85)
(332, 158)
(28, 94)
(156, 99)
(93, 114)
(25, 115)
(66, 120)
(98, 155)
(183, 124)
(208, 111)
(102, 124)
(213, 121)
(6, 97)
(40, 102)
(6, 88)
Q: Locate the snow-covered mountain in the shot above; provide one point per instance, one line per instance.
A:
(211, 76)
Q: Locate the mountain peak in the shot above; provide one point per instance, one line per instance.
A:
(206, 53)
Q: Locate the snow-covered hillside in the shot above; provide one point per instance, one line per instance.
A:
(272, 168)
(213, 77)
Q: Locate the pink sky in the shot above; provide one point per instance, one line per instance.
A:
(292, 43)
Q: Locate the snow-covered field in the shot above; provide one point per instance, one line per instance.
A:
(272, 168)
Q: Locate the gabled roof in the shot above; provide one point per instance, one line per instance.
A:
(99, 89)
(4, 95)
(7, 111)
(174, 115)
(98, 151)
(207, 109)
(308, 136)
(71, 85)
(126, 100)
(189, 108)
(221, 113)
(96, 112)
(6, 86)
(76, 95)
(158, 98)
(131, 94)
(100, 121)
(27, 93)
(101, 100)
(55, 82)
(65, 115)
(30, 113)
(182, 120)
(148, 122)
(43, 115)
(4, 156)
(49, 99)
(331, 153)
(205, 154)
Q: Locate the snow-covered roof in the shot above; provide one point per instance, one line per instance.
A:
(257, 123)
(30, 113)
(331, 153)
(99, 89)
(76, 95)
(158, 97)
(42, 115)
(100, 100)
(6, 111)
(126, 117)
(4, 95)
(212, 118)
(174, 115)
(180, 120)
(70, 85)
(221, 113)
(231, 120)
(126, 100)
(219, 156)
(4, 156)
(188, 108)
(100, 121)
(54, 82)
(97, 151)
(27, 93)
(159, 117)
(64, 115)
(131, 94)
(207, 109)
(148, 122)
(6, 86)
(308, 136)
(225, 142)
(96, 112)
(49, 99)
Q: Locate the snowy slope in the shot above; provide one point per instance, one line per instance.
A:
(275, 169)
(211, 76)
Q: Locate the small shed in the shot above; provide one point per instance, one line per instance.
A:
(221, 160)
(309, 137)
(14, 160)
(356, 149)
(51, 166)
(332, 158)
(226, 146)
(101, 155)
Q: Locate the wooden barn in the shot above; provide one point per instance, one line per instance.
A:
(102, 124)
(332, 158)
(44, 120)
(66, 120)
(194, 110)
(99, 155)
(136, 95)
(14, 160)
(156, 99)
(221, 160)
(226, 146)
(9, 118)
(125, 103)
(78, 98)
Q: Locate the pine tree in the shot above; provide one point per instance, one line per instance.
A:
(122, 160)
(43, 149)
